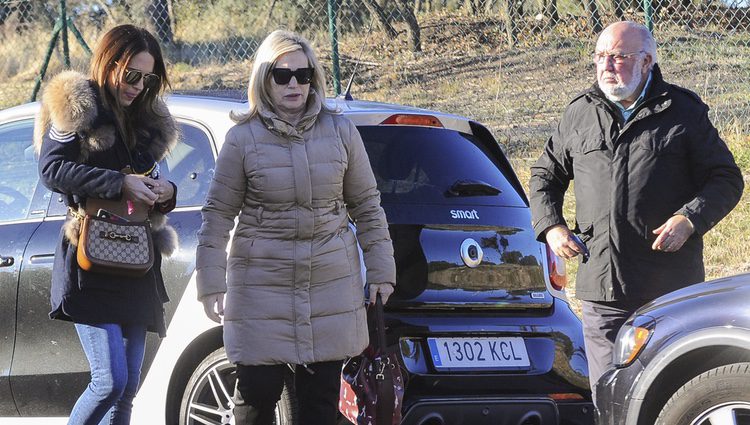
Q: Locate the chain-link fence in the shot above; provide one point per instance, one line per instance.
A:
(511, 64)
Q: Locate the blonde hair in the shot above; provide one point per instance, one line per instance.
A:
(276, 44)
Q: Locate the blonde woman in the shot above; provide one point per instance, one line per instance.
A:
(293, 170)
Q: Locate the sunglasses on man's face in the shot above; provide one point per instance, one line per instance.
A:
(283, 76)
(133, 76)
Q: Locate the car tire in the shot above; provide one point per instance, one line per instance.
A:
(207, 395)
(710, 398)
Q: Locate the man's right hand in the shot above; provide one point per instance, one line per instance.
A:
(560, 239)
(213, 305)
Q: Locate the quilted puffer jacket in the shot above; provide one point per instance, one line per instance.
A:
(293, 280)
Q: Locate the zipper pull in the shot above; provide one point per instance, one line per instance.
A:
(310, 371)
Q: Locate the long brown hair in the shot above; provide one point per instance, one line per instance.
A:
(109, 62)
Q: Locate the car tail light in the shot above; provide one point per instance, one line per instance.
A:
(413, 119)
(558, 277)
(566, 396)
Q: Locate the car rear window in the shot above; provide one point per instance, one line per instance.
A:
(421, 165)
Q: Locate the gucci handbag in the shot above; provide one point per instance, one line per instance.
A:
(115, 246)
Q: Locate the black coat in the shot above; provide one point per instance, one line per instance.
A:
(80, 156)
(629, 179)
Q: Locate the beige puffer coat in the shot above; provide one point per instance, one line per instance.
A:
(293, 280)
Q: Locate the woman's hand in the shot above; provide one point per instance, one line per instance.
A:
(164, 190)
(384, 289)
(213, 305)
(136, 188)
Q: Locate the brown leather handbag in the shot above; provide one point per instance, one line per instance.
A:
(113, 245)
(372, 383)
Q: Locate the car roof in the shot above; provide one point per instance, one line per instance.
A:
(218, 105)
(359, 111)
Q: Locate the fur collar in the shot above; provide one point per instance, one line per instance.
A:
(71, 103)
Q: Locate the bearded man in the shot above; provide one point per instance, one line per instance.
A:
(652, 176)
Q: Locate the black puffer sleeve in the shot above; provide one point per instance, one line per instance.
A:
(60, 172)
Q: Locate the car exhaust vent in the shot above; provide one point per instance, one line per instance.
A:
(432, 419)
(531, 418)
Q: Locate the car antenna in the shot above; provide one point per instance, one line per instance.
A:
(347, 94)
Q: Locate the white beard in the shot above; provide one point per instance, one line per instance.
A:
(619, 92)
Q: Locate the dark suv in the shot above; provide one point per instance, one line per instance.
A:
(479, 316)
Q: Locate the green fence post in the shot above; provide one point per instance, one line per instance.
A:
(332, 12)
(61, 26)
(648, 11)
(78, 36)
(64, 31)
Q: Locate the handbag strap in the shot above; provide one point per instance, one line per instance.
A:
(380, 326)
(384, 385)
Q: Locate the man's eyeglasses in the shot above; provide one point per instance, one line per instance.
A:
(283, 76)
(602, 57)
(133, 76)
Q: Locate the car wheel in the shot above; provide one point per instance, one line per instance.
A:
(718, 396)
(207, 399)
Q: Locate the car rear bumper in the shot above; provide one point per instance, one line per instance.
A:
(498, 411)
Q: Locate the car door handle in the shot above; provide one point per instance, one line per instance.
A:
(6, 261)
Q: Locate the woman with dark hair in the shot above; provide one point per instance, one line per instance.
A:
(99, 141)
(293, 171)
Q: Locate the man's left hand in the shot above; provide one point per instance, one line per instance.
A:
(673, 234)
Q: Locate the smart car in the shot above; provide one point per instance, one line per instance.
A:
(472, 281)
(683, 358)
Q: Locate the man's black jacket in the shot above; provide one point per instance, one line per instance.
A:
(631, 177)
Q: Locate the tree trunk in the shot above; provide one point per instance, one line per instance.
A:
(377, 11)
(4, 12)
(158, 15)
(619, 8)
(415, 43)
(511, 17)
(595, 23)
(551, 11)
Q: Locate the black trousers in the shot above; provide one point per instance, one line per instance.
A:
(601, 322)
(317, 389)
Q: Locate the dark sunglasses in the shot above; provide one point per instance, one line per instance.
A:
(133, 76)
(284, 75)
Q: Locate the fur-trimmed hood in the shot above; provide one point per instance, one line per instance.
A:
(71, 103)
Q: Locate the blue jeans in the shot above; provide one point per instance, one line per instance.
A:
(115, 355)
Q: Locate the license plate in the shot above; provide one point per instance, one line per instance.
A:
(479, 353)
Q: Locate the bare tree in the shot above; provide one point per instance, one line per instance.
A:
(473, 6)
(619, 7)
(550, 9)
(415, 37)
(595, 22)
(160, 19)
(377, 11)
(511, 18)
